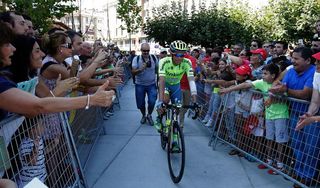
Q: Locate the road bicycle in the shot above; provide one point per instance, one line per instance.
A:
(171, 136)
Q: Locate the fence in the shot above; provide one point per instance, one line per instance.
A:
(87, 125)
(31, 147)
(262, 129)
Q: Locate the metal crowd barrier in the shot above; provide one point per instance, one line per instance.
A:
(31, 148)
(275, 144)
(86, 128)
(88, 125)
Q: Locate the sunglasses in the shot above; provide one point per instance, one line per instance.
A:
(179, 55)
(253, 45)
(68, 45)
(145, 51)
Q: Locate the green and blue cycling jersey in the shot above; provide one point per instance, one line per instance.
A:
(172, 75)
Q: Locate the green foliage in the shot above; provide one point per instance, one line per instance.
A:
(42, 12)
(128, 12)
(170, 23)
(287, 20)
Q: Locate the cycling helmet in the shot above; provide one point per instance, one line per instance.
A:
(178, 45)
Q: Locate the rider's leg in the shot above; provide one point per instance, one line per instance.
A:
(186, 98)
(175, 93)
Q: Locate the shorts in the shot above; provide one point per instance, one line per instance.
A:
(175, 93)
(277, 128)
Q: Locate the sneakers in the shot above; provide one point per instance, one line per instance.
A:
(205, 119)
(209, 123)
(158, 124)
(262, 166)
(249, 158)
(280, 167)
(110, 113)
(149, 119)
(143, 120)
(234, 152)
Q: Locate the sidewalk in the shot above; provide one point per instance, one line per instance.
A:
(130, 156)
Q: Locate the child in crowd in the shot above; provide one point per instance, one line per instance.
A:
(225, 73)
(32, 154)
(242, 104)
(276, 115)
(213, 69)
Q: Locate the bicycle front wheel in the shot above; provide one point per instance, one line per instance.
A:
(163, 138)
(176, 153)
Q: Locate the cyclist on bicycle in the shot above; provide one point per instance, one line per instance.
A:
(171, 70)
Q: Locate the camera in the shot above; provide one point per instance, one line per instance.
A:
(148, 64)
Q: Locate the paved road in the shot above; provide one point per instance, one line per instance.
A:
(130, 156)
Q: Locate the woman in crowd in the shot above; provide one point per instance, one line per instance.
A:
(27, 60)
(18, 101)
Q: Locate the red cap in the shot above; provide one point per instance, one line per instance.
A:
(244, 70)
(227, 50)
(260, 51)
(316, 56)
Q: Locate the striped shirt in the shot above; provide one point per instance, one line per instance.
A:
(29, 171)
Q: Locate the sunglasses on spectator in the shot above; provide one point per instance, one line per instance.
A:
(253, 45)
(179, 55)
(68, 45)
(145, 51)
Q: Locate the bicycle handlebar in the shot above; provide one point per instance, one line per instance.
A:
(194, 107)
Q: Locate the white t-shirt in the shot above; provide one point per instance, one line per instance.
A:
(69, 61)
(316, 81)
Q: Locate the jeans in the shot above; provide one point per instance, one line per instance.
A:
(141, 92)
(305, 144)
(214, 104)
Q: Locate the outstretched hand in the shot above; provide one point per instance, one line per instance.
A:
(304, 120)
(102, 97)
(63, 86)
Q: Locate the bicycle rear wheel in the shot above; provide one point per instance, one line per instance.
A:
(176, 153)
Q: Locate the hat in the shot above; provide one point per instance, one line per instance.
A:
(316, 37)
(316, 56)
(244, 70)
(260, 51)
(227, 50)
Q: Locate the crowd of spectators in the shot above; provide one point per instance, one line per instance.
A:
(274, 120)
(41, 76)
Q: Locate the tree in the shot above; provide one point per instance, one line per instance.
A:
(42, 12)
(129, 12)
(286, 20)
(170, 23)
(294, 19)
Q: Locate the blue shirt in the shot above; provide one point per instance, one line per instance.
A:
(296, 81)
(148, 76)
(5, 85)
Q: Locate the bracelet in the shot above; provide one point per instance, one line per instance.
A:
(52, 93)
(88, 102)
